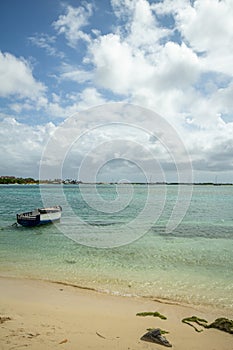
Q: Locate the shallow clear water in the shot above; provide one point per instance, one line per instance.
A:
(192, 264)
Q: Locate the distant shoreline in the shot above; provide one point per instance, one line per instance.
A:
(22, 181)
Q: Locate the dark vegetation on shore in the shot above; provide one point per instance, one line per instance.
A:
(11, 180)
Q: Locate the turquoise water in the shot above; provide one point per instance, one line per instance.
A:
(193, 264)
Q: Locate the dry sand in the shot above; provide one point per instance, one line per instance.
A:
(47, 315)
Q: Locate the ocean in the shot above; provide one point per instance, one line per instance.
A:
(119, 247)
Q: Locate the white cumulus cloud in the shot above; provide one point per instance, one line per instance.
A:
(17, 78)
(71, 23)
(22, 146)
(207, 27)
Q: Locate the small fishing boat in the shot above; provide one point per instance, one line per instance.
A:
(40, 216)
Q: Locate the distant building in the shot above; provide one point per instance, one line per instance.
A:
(7, 177)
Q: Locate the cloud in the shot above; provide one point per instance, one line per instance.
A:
(207, 27)
(75, 74)
(123, 8)
(174, 70)
(172, 56)
(109, 132)
(71, 23)
(72, 103)
(46, 42)
(140, 24)
(116, 66)
(90, 97)
(17, 78)
(21, 146)
(59, 107)
(209, 151)
(155, 76)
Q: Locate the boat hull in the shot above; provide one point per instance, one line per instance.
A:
(41, 216)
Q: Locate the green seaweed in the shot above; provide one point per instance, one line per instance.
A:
(162, 331)
(154, 314)
(222, 323)
(199, 321)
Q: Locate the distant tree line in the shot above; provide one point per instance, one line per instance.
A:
(10, 180)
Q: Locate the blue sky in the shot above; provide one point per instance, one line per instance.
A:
(175, 58)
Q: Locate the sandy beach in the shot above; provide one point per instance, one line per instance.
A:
(45, 315)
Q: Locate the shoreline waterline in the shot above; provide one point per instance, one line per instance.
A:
(209, 308)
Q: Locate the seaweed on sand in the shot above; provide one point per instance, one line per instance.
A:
(222, 323)
(199, 321)
(162, 331)
(154, 314)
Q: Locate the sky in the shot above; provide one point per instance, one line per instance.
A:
(60, 59)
